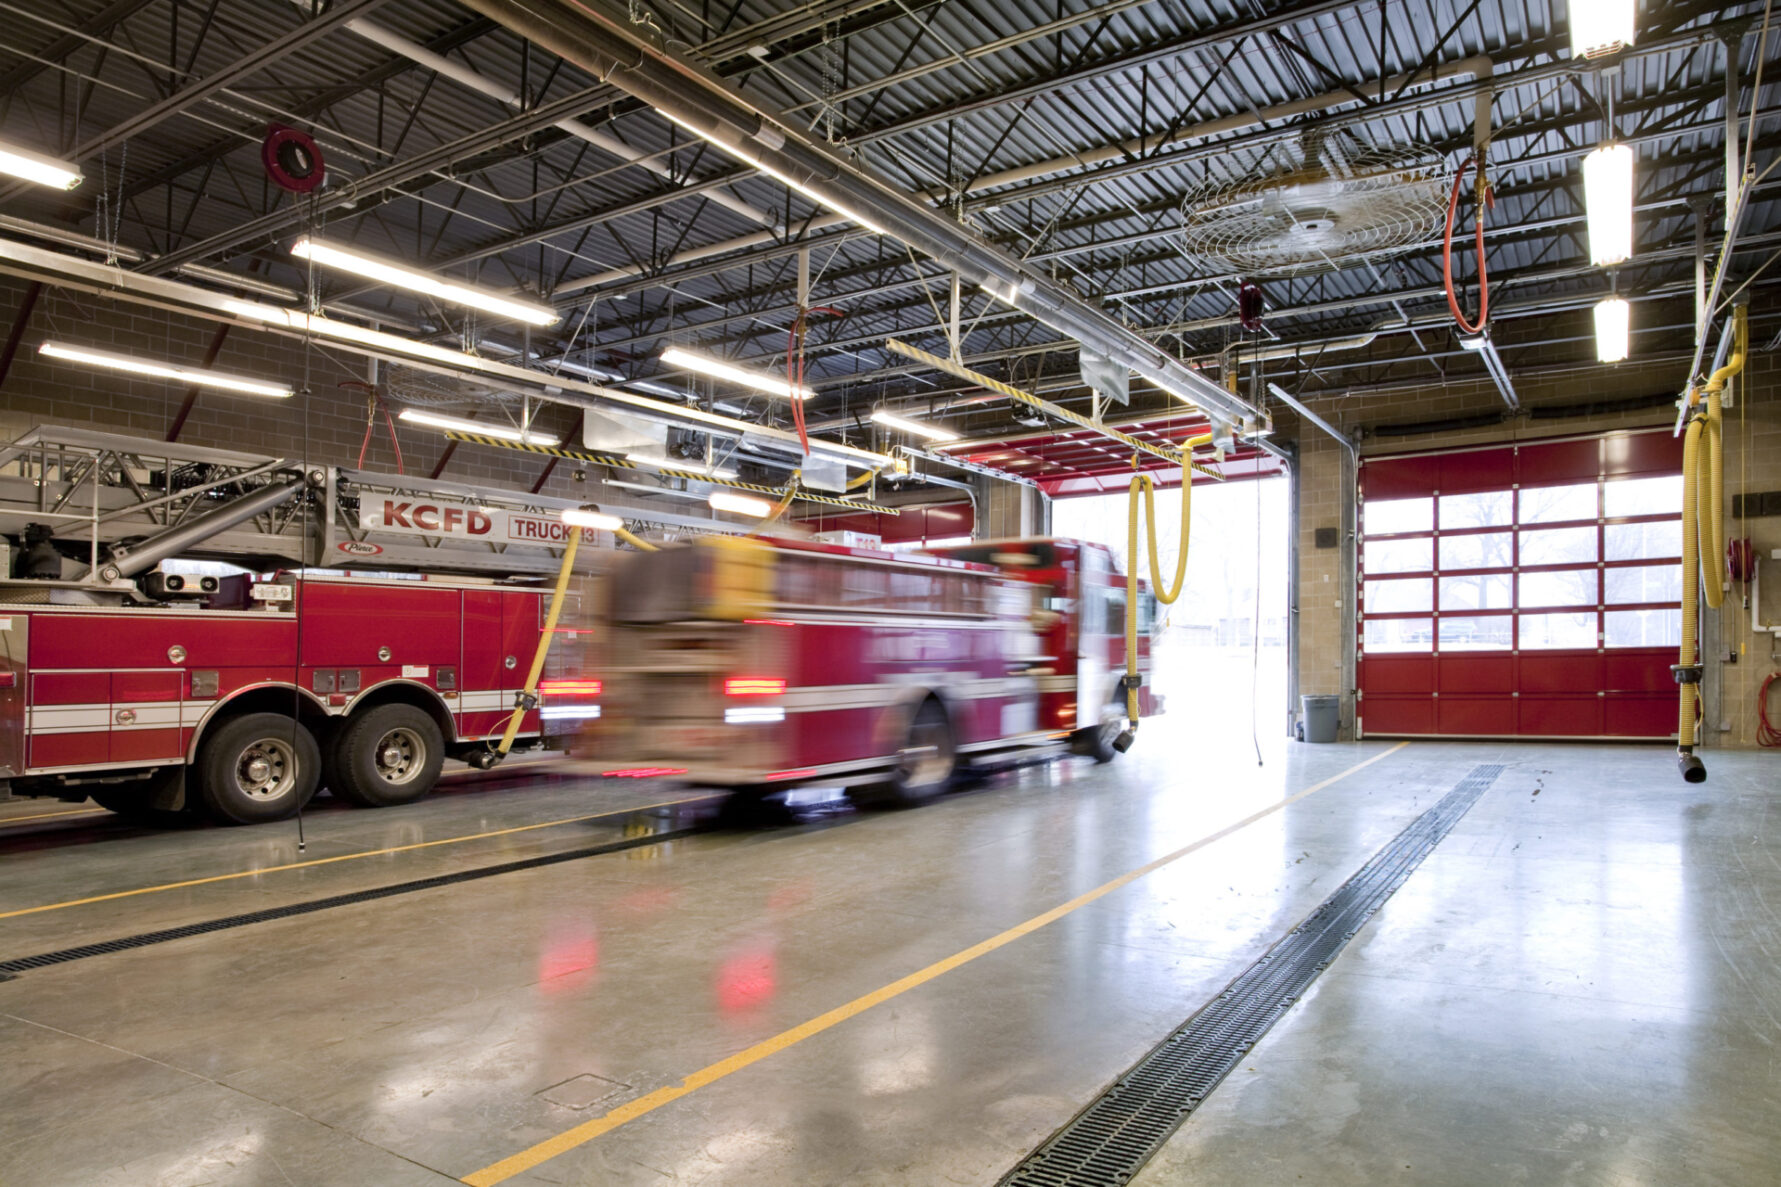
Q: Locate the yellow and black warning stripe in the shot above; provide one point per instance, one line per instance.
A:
(796, 490)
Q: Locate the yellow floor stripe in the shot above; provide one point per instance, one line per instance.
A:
(322, 861)
(587, 1131)
(6, 820)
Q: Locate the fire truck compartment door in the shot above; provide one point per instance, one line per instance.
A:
(145, 716)
(82, 718)
(15, 632)
(348, 625)
(522, 623)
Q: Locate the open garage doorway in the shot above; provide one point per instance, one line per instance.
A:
(1209, 661)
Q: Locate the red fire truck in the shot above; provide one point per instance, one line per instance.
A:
(153, 686)
(766, 664)
(1080, 602)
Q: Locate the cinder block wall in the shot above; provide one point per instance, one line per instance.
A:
(1752, 461)
(329, 423)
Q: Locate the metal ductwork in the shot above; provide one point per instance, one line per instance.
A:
(130, 560)
(617, 52)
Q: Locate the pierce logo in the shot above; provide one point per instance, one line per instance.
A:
(359, 547)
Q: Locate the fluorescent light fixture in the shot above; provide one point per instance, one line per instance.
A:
(1608, 201)
(723, 500)
(150, 369)
(674, 356)
(587, 372)
(931, 432)
(460, 425)
(659, 389)
(1602, 26)
(1474, 341)
(386, 272)
(1613, 321)
(591, 519)
(34, 166)
(748, 156)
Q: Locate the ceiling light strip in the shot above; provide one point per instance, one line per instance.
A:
(959, 371)
(142, 368)
(388, 272)
(602, 459)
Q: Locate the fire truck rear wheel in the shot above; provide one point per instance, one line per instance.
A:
(387, 755)
(927, 762)
(257, 767)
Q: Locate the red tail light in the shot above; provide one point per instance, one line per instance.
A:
(753, 686)
(571, 688)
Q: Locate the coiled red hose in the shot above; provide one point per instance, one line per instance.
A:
(1488, 201)
(1766, 733)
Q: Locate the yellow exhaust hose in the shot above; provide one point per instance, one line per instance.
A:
(528, 697)
(1143, 483)
(1703, 523)
(637, 542)
(785, 500)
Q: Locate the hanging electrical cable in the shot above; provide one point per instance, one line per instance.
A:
(1485, 200)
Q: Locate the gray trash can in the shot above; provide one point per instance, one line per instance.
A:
(1322, 716)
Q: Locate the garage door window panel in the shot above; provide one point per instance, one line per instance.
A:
(1388, 517)
(1550, 632)
(1397, 634)
(1477, 550)
(1414, 555)
(1575, 503)
(1476, 591)
(1660, 585)
(1648, 540)
(1399, 595)
(1476, 632)
(1480, 509)
(1560, 587)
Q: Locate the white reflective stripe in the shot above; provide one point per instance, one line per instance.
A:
(826, 697)
(1057, 684)
(484, 700)
(64, 718)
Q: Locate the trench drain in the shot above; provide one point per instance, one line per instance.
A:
(1111, 1140)
(105, 947)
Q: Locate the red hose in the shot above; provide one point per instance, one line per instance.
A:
(1766, 733)
(1488, 202)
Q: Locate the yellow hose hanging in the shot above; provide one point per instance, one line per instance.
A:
(785, 500)
(528, 698)
(1703, 550)
(1143, 483)
(637, 542)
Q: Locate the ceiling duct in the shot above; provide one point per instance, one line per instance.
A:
(606, 45)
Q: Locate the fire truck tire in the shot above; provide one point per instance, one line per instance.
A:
(257, 767)
(1097, 743)
(387, 755)
(927, 763)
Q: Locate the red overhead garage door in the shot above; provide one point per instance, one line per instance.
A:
(1523, 590)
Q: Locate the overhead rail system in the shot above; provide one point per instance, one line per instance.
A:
(610, 47)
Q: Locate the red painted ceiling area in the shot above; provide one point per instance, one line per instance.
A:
(1083, 462)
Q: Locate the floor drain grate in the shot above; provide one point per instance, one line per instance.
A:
(104, 947)
(1112, 1139)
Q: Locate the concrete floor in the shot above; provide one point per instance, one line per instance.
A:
(1579, 985)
